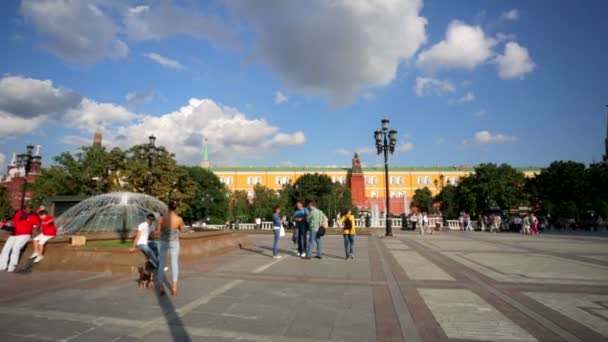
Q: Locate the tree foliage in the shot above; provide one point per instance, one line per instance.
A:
(6, 211)
(210, 198)
(423, 199)
(330, 197)
(448, 204)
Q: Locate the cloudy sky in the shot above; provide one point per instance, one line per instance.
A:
(291, 82)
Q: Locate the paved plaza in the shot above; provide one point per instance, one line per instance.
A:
(440, 287)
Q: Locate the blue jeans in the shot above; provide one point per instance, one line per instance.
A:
(150, 252)
(173, 247)
(275, 245)
(349, 244)
(314, 238)
(302, 238)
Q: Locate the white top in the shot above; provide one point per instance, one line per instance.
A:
(144, 233)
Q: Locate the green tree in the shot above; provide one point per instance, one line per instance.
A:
(447, 200)
(264, 199)
(210, 199)
(240, 207)
(6, 211)
(561, 189)
(423, 198)
(596, 185)
(330, 197)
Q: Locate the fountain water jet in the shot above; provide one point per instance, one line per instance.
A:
(116, 212)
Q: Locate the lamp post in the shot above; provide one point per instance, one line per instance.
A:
(25, 161)
(385, 142)
(151, 151)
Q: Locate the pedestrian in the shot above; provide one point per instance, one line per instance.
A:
(315, 221)
(534, 224)
(142, 240)
(300, 218)
(348, 233)
(414, 220)
(48, 231)
(277, 226)
(425, 223)
(526, 225)
(168, 229)
(24, 222)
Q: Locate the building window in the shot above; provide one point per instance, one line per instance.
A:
(282, 180)
(250, 194)
(419, 180)
(399, 194)
(226, 180)
(427, 180)
(374, 194)
(253, 180)
(398, 180)
(455, 180)
(339, 179)
(371, 180)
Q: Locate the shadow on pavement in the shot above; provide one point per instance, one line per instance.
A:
(174, 323)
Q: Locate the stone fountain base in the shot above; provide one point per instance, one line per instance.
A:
(61, 255)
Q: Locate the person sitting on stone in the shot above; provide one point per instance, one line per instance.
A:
(24, 222)
(47, 232)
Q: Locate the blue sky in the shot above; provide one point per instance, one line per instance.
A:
(306, 83)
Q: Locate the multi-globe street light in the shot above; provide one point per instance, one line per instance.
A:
(25, 161)
(385, 142)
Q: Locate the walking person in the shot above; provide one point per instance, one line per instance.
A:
(348, 233)
(315, 220)
(534, 224)
(48, 231)
(300, 218)
(24, 222)
(526, 225)
(142, 240)
(414, 220)
(168, 229)
(277, 225)
(425, 223)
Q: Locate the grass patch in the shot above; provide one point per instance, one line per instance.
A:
(110, 243)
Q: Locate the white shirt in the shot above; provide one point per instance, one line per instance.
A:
(144, 233)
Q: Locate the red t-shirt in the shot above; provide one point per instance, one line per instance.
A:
(48, 226)
(25, 226)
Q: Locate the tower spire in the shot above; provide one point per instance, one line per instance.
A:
(205, 162)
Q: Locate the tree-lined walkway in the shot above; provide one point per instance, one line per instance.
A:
(460, 286)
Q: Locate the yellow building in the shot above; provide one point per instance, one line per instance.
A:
(403, 181)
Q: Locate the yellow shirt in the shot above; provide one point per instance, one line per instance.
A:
(351, 231)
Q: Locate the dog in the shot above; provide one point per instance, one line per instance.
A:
(145, 278)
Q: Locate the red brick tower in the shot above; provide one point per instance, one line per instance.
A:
(357, 183)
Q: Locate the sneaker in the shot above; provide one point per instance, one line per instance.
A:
(303, 255)
(318, 257)
(38, 259)
(34, 255)
(277, 257)
(347, 257)
(166, 269)
(10, 269)
(352, 256)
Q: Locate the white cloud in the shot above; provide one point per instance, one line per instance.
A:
(432, 86)
(343, 152)
(468, 97)
(485, 137)
(366, 150)
(515, 63)
(440, 141)
(11, 125)
(78, 31)
(337, 59)
(230, 134)
(165, 19)
(510, 15)
(280, 98)
(480, 113)
(28, 97)
(464, 47)
(404, 147)
(89, 114)
(2, 160)
(137, 98)
(164, 61)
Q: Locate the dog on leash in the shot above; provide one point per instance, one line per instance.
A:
(145, 278)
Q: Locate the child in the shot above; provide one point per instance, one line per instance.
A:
(48, 231)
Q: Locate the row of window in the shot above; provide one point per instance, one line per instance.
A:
(369, 180)
(398, 194)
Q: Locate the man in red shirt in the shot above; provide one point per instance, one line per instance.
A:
(24, 222)
(48, 232)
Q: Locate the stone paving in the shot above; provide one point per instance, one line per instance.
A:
(451, 286)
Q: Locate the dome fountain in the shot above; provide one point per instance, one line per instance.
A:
(116, 212)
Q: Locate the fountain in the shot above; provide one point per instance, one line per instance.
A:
(116, 212)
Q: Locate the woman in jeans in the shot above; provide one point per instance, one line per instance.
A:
(347, 221)
(277, 223)
(168, 229)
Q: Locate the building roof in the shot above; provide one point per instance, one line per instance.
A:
(344, 168)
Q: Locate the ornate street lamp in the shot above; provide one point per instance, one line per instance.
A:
(25, 161)
(151, 151)
(385, 142)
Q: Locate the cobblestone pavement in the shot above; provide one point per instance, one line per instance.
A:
(449, 286)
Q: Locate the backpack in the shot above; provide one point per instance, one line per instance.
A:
(347, 223)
